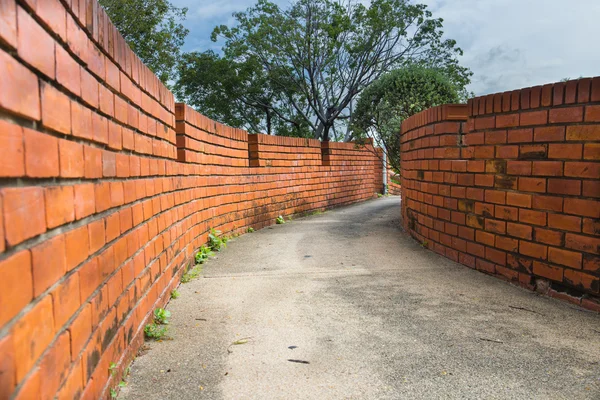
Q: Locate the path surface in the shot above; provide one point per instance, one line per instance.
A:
(344, 305)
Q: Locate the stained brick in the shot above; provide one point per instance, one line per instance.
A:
(49, 263)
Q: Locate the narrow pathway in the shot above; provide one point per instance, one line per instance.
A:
(344, 305)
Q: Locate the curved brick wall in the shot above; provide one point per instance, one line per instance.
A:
(107, 187)
(509, 184)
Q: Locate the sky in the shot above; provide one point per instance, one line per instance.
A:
(508, 44)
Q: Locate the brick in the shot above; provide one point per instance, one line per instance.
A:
(495, 137)
(507, 244)
(534, 250)
(106, 100)
(588, 170)
(495, 226)
(549, 134)
(71, 159)
(115, 140)
(482, 123)
(595, 94)
(548, 236)
(7, 361)
(8, 23)
(520, 135)
(591, 151)
(582, 281)
(586, 244)
(507, 213)
(49, 263)
(567, 114)
(92, 162)
(532, 184)
(30, 389)
(77, 247)
(97, 236)
(518, 199)
(548, 168)
(495, 196)
(109, 167)
(518, 167)
(32, 334)
(565, 257)
(12, 151)
(565, 151)
(16, 285)
(24, 215)
(583, 90)
(81, 121)
(507, 120)
(54, 366)
(592, 113)
(68, 71)
(89, 89)
(519, 230)
(495, 256)
(533, 152)
(102, 194)
(99, 128)
(564, 186)
(591, 188)
(591, 263)
(534, 118)
(532, 217)
(548, 271)
(41, 155)
(591, 226)
(112, 227)
(53, 14)
(80, 330)
(551, 203)
(84, 200)
(586, 208)
(35, 46)
(507, 151)
(583, 132)
(59, 205)
(73, 386)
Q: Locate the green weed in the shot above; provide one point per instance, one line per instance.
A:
(175, 294)
(203, 254)
(215, 241)
(155, 332)
(279, 220)
(250, 229)
(162, 316)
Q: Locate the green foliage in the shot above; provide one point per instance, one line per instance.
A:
(215, 241)
(250, 229)
(203, 254)
(112, 368)
(155, 332)
(279, 220)
(297, 71)
(153, 30)
(396, 96)
(113, 393)
(122, 384)
(161, 316)
(175, 294)
(192, 273)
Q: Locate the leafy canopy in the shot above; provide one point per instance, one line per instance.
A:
(301, 68)
(396, 96)
(153, 30)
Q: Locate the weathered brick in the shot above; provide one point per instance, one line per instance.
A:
(35, 45)
(23, 213)
(49, 263)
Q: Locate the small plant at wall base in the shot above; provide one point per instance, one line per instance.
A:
(280, 220)
(155, 332)
(216, 241)
(250, 229)
(203, 254)
(175, 294)
(162, 316)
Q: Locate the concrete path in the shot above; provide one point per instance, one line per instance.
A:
(344, 305)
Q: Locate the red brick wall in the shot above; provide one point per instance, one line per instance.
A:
(509, 184)
(393, 183)
(106, 189)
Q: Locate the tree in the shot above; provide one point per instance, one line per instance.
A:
(153, 30)
(317, 56)
(396, 96)
(237, 92)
